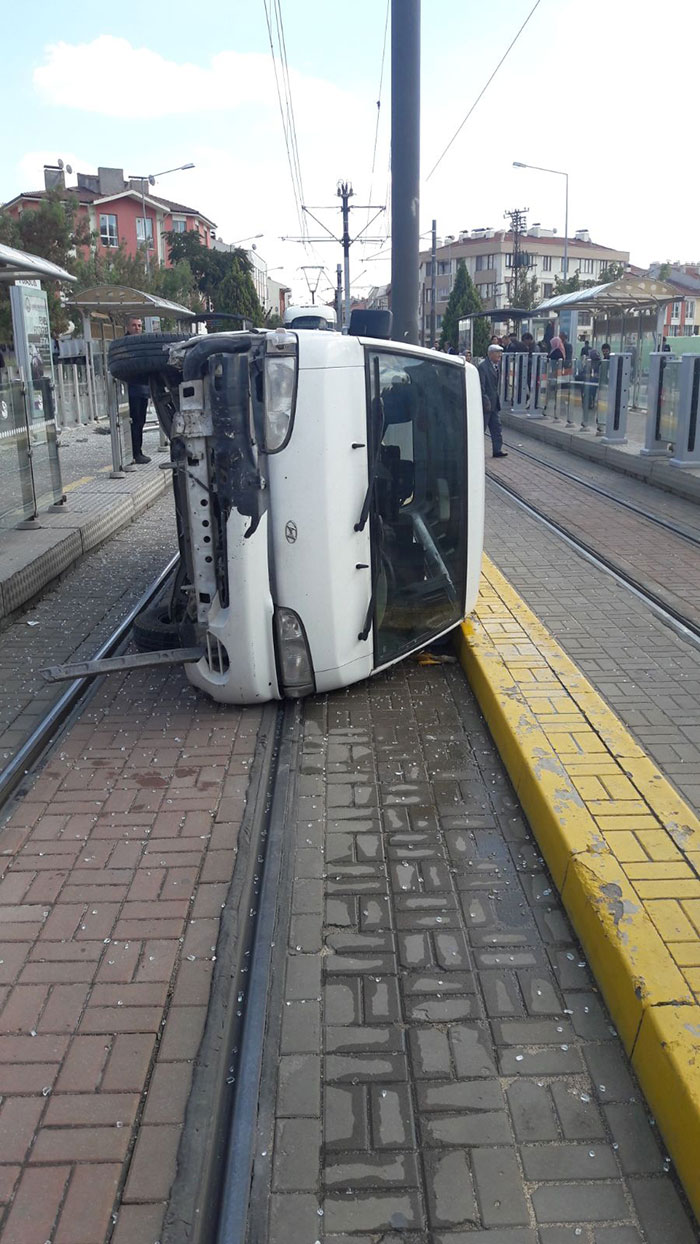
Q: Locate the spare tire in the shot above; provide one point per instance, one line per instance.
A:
(153, 629)
(138, 355)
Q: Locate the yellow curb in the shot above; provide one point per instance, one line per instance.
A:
(622, 846)
(667, 1061)
(628, 957)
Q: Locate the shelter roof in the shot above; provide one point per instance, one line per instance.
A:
(20, 265)
(628, 291)
(120, 300)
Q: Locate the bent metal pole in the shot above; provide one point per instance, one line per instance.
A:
(405, 167)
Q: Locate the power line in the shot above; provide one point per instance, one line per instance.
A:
(379, 99)
(288, 130)
(483, 90)
(289, 99)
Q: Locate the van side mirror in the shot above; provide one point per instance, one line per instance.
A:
(375, 323)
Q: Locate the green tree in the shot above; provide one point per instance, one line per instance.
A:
(527, 294)
(464, 300)
(222, 278)
(611, 272)
(53, 231)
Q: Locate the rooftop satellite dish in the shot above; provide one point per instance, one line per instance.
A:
(68, 168)
(59, 163)
(151, 180)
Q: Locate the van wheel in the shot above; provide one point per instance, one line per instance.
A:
(138, 356)
(153, 630)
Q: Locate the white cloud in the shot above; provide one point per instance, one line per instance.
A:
(112, 77)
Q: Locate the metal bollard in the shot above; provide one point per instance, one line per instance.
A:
(615, 430)
(687, 443)
(656, 433)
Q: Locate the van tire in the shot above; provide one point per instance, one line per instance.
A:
(138, 356)
(153, 630)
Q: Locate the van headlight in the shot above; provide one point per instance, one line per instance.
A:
(295, 670)
(280, 388)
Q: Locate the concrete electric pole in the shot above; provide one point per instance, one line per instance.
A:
(405, 167)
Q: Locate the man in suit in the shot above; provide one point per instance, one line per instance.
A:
(489, 376)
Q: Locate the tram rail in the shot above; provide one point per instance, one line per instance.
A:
(657, 519)
(685, 627)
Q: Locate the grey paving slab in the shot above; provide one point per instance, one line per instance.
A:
(75, 614)
(643, 669)
(459, 1079)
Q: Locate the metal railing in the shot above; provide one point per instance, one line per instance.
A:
(590, 394)
(672, 430)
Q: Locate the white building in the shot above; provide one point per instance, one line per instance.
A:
(488, 255)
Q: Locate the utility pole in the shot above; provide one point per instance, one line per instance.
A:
(433, 290)
(345, 192)
(339, 294)
(405, 166)
(517, 225)
(318, 269)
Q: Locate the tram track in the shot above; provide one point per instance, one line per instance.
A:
(44, 734)
(657, 519)
(685, 627)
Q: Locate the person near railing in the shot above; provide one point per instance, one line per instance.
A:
(490, 384)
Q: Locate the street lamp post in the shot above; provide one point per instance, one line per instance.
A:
(558, 173)
(150, 180)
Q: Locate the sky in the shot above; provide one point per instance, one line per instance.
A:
(606, 91)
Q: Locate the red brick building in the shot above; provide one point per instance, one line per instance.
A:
(117, 211)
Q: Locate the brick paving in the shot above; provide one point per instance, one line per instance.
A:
(114, 871)
(647, 673)
(445, 1069)
(75, 615)
(655, 557)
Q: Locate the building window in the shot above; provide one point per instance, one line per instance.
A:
(108, 230)
(438, 321)
(509, 260)
(587, 265)
(179, 226)
(547, 289)
(546, 263)
(676, 313)
(444, 267)
(481, 263)
(690, 308)
(140, 238)
(562, 263)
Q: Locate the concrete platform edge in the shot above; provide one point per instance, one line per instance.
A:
(561, 745)
(65, 544)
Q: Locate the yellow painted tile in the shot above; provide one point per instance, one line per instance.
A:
(670, 920)
(624, 845)
(620, 787)
(653, 870)
(589, 788)
(589, 741)
(627, 822)
(693, 857)
(668, 889)
(692, 911)
(582, 768)
(692, 975)
(658, 844)
(617, 807)
(628, 957)
(667, 1060)
(686, 954)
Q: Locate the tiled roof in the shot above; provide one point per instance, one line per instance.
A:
(84, 195)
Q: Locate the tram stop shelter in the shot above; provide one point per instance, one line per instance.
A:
(29, 466)
(627, 313)
(105, 311)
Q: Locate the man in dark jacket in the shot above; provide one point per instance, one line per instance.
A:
(139, 393)
(489, 377)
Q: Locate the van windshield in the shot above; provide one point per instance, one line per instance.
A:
(310, 321)
(418, 464)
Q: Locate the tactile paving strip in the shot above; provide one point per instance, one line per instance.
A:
(622, 846)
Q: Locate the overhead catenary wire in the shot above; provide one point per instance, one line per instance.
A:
(286, 110)
(379, 102)
(484, 88)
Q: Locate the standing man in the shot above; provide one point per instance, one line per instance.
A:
(139, 394)
(489, 377)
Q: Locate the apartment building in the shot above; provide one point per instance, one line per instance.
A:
(488, 254)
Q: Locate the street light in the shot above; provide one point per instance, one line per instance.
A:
(558, 173)
(150, 180)
(251, 237)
